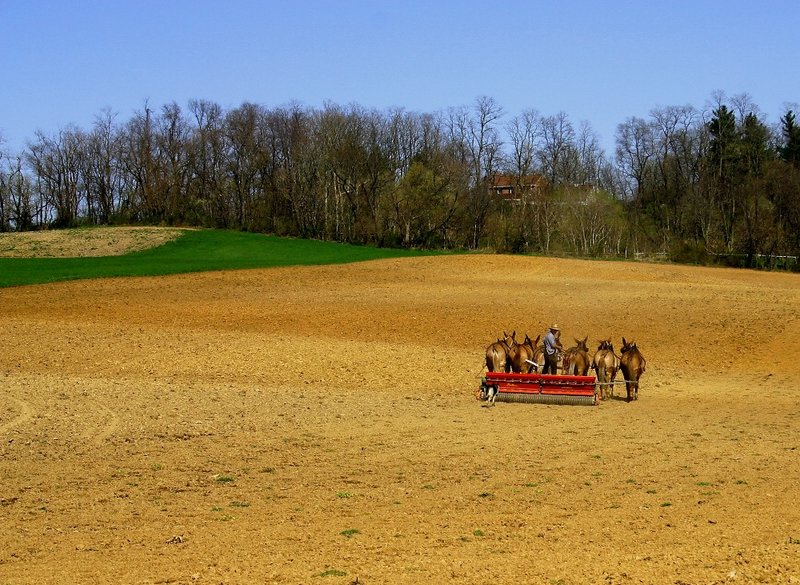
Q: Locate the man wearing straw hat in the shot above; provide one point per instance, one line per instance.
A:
(551, 347)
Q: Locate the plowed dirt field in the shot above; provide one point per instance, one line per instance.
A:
(319, 425)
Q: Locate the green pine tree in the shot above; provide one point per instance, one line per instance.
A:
(790, 152)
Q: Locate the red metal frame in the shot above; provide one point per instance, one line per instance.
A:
(547, 384)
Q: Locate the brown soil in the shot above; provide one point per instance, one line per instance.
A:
(319, 425)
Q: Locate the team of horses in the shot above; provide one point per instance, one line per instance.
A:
(508, 355)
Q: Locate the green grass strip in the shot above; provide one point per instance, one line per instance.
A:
(194, 251)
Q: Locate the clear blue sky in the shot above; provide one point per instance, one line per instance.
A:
(63, 62)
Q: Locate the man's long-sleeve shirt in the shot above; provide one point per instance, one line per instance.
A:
(550, 343)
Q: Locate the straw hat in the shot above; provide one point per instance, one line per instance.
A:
(554, 327)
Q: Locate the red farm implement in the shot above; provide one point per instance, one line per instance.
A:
(538, 388)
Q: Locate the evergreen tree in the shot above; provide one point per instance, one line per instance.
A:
(790, 152)
(724, 141)
(755, 149)
(725, 168)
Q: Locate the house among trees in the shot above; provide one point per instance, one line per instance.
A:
(511, 188)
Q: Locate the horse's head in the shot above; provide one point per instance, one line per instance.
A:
(581, 344)
(605, 344)
(627, 345)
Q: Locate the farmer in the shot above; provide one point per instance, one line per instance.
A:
(551, 348)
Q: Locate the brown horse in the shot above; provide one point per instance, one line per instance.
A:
(632, 365)
(498, 360)
(522, 362)
(606, 364)
(512, 349)
(497, 354)
(538, 358)
(576, 360)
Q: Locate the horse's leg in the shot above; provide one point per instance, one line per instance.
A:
(612, 377)
(598, 388)
(601, 377)
(628, 385)
(599, 372)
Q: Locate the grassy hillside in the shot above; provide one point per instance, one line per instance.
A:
(194, 251)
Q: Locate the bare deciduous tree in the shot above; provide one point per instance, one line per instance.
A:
(57, 162)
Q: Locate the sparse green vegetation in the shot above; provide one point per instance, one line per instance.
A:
(350, 532)
(194, 251)
(332, 573)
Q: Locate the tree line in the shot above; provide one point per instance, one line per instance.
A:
(690, 184)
